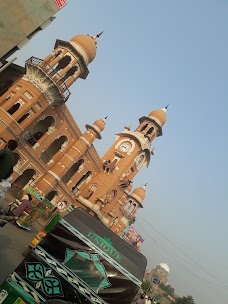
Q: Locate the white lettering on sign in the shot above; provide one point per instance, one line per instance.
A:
(61, 3)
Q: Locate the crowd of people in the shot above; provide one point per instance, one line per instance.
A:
(6, 169)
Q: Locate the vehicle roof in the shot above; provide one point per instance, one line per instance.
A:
(109, 245)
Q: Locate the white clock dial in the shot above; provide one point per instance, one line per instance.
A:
(125, 146)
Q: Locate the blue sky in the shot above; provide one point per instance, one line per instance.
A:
(154, 53)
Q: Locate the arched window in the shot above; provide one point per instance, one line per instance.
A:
(72, 171)
(111, 195)
(47, 155)
(70, 73)
(132, 208)
(150, 130)
(51, 196)
(14, 108)
(41, 128)
(90, 191)
(26, 177)
(63, 62)
(144, 127)
(82, 180)
(128, 205)
(23, 118)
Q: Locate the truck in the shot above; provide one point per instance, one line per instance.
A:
(76, 259)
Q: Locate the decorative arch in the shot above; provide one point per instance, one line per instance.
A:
(23, 117)
(150, 130)
(25, 178)
(128, 205)
(86, 177)
(132, 208)
(111, 195)
(144, 127)
(91, 190)
(52, 196)
(41, 128)
(73, 169)
(70, 73)
(63, 62)
(56, 146)
(14, 108)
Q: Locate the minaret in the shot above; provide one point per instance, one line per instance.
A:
(131, 151)
(46, 82)
(127, 211)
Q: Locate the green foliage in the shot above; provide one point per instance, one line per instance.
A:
(185, 300)
(167, 288)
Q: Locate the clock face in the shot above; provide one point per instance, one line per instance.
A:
(125, 146)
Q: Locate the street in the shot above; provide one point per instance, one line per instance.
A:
(13, 241)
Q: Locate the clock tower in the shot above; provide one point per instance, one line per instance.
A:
(106, 196)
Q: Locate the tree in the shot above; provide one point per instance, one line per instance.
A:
(145, 285)
(185, 300)
(167, 288)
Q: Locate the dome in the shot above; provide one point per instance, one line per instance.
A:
(87, 44)
(159, 116)
(99, 124)
(165, 266)
(139, 194)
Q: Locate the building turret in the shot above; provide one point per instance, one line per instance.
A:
(131, 151)
(46, 82)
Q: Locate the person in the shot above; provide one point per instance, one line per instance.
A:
(139, 298)
(137, 242)
(25, 204)
(7, 159)
(4, 187)
(147, 300)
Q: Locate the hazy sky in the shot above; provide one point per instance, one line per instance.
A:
(154, 53)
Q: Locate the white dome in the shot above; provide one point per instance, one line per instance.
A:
(164, 266)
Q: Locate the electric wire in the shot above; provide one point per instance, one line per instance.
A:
(193, 262)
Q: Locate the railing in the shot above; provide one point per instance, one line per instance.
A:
(29, 138)
(55, 77)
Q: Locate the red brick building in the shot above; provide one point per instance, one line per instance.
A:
(59, 160)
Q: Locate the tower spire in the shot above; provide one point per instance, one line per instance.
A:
(98, 35)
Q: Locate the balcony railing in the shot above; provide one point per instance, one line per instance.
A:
(55, 77)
